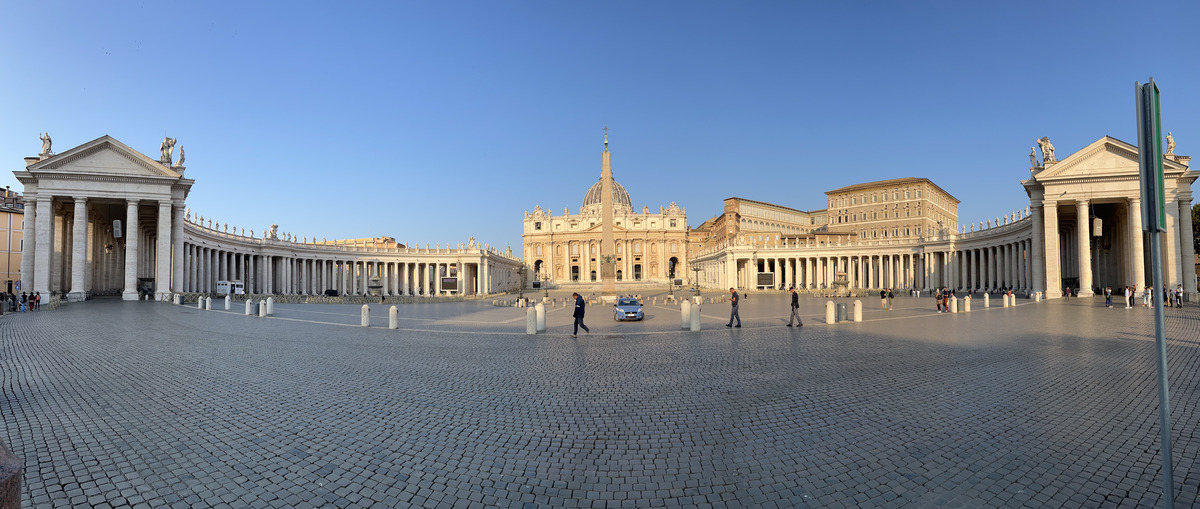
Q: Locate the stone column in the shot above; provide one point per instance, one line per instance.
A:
(79, 251)
(1186, 243)
(177, 252)
(1037, 250)
(1135, 234)
(162, 279)
(41, 260)
(1053, 259)
(1084, 245)
(1172, 265)
(131, 250)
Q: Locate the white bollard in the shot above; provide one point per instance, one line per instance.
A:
(953, 304)
(967, 304)
(1037, 297)
(393, 318)
(200, 303)
(208, 304)
(540, 310)
(366, 316)
(987, 301)
(227, 303)
(262, 308)
(695, 318)
(830, 314)
(530, 321)
(248, 303)
(270, 305)
(685, 314)
(858, 310)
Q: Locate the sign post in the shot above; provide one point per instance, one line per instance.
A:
(1150, 162)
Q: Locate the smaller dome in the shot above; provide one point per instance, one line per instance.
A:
(621, 201)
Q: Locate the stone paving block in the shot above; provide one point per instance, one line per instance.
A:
(140, 404)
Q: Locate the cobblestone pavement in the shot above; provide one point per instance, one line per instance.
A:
(139, 404)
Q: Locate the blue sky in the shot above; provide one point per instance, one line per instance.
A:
(436, 121)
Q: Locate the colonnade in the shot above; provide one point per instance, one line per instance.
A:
(316, 273)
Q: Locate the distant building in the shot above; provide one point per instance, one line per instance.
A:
(904, 208)
(12, 230)
(565, 249)
(1081, 229)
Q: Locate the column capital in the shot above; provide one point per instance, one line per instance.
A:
(132, 202)
(1082, 201)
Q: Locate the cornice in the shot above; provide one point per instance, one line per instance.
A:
(92, 177)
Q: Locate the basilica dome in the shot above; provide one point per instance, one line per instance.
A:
(620, 197)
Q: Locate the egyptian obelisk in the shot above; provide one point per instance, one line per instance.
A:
(608, 249)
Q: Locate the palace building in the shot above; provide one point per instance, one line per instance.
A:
(565, 249)
(1081, 229)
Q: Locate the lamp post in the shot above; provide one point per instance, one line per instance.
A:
(521, 287)
(696, 280)
(546, 285)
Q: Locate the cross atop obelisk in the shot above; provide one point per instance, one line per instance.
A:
(608, 249)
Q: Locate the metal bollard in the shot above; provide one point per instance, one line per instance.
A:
(987, 301)
(695, 318)
(262, 308)
(530, 321)
(858, 310)
(953, 304)
(227, 303)
(829, 312)
(540, 310)
(366, 316)
(393, 318)
(685, 314)
(270, 305)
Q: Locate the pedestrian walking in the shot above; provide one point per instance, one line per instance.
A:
(883, 299)
(733, 309)
(1108, 296)
(37, 300)
(890, 296)
(578, 314)
(795, 310)
(1179, 296)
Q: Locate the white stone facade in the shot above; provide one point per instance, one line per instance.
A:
(106, 219)
(1042, 248)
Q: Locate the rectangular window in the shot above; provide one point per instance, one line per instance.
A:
(537, 225)
(673, 223)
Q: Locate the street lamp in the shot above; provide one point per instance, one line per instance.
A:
(696, 281)
(521, 288)
(546, 284)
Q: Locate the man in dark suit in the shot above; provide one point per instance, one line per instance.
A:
(579, 309)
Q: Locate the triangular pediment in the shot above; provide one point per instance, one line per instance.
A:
(1106, 157)
(104, 156)
(600, 227)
